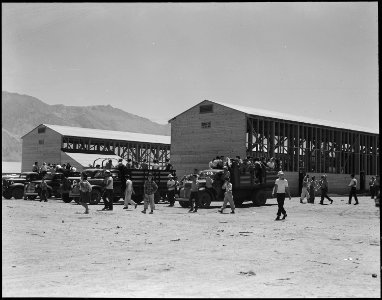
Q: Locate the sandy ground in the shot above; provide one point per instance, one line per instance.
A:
(53, 250)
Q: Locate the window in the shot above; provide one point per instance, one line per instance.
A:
(206, 124)
(41, 130)
(41, 142)
(206, 109)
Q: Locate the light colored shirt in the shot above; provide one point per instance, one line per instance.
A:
(109, 183)
(281, 185)
(129, 185)
(353, 182)
(171, 185)
(227, 186)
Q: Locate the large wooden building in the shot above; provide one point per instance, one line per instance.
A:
(82, 146)
(303, 145)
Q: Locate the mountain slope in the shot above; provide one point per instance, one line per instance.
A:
(22, 113)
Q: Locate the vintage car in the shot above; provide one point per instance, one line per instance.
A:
(13, 186)
(54, 182)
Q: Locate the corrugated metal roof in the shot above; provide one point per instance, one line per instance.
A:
(302, 119)
(86, 159)
(110, 134)
(288, 117)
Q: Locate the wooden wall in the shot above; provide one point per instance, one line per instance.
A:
(40, 147)
(193, 146)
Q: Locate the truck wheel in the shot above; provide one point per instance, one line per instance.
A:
(238, 203)
(31, 197)
(205, 199)
(7, 194)
(65, 198)
(259, 198)
(18, 193)
(95, 197)
(184, 204)
(157, 198)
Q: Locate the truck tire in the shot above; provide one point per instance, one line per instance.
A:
(95, 197)
(205, 199)
(32, 197)
(259, 198)
(65, 198)
(157, 197)
(238, 202)
(184, 204)
(18, 193)
(7, 194)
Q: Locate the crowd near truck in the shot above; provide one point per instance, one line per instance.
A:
(54, 182)
(245, 187)
(96, 178)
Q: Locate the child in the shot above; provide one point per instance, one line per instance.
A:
(75, 191)
(44, 189)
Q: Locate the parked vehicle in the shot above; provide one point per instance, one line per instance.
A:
(54, 182)
(138, 176)
(245, 187)
(13, 186)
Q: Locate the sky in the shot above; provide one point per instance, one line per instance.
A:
(156, 60)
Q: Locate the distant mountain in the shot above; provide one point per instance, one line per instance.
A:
(22, 113)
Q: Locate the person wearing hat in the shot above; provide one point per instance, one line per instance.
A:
(227, 186)
(35, 167)
(43, 169)
(171, 189)
(108, 192)
(305, 189)
(353, 189)
(150, 188)
(281, 186)
(324, 189)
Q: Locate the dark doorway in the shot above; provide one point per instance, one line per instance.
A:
(362, 179)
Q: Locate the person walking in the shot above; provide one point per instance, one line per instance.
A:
(85, 192)
(108, 192)
(150, 188)
(171, 184)
(280, 188)
(304, 191)
(228, 197)
(372, 183)
(194, 194)
(324, 187)
(122, 174)
(353, 189)
(209, 184)
(128, 193)
(312, 189)
(44, 190)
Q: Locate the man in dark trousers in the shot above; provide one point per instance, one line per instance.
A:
(281, 186)
(108, 193)
(194, 194)
(353, 189)
(122, 174)
(324, 189)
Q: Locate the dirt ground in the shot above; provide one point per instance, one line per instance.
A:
(53, 250)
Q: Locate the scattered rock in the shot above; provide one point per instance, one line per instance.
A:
(177, 240)
(374, 275)
(62, 221)
(250, 273)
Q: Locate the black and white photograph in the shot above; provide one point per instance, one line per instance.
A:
(190, 150)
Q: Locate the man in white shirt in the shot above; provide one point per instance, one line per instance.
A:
(171, 189)
(281, 186)
(128, 192)
(353, 189)
(108, 192)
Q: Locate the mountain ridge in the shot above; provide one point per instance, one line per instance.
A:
(22, 113)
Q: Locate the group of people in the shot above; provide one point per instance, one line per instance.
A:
(52, 168)
(144, 165)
